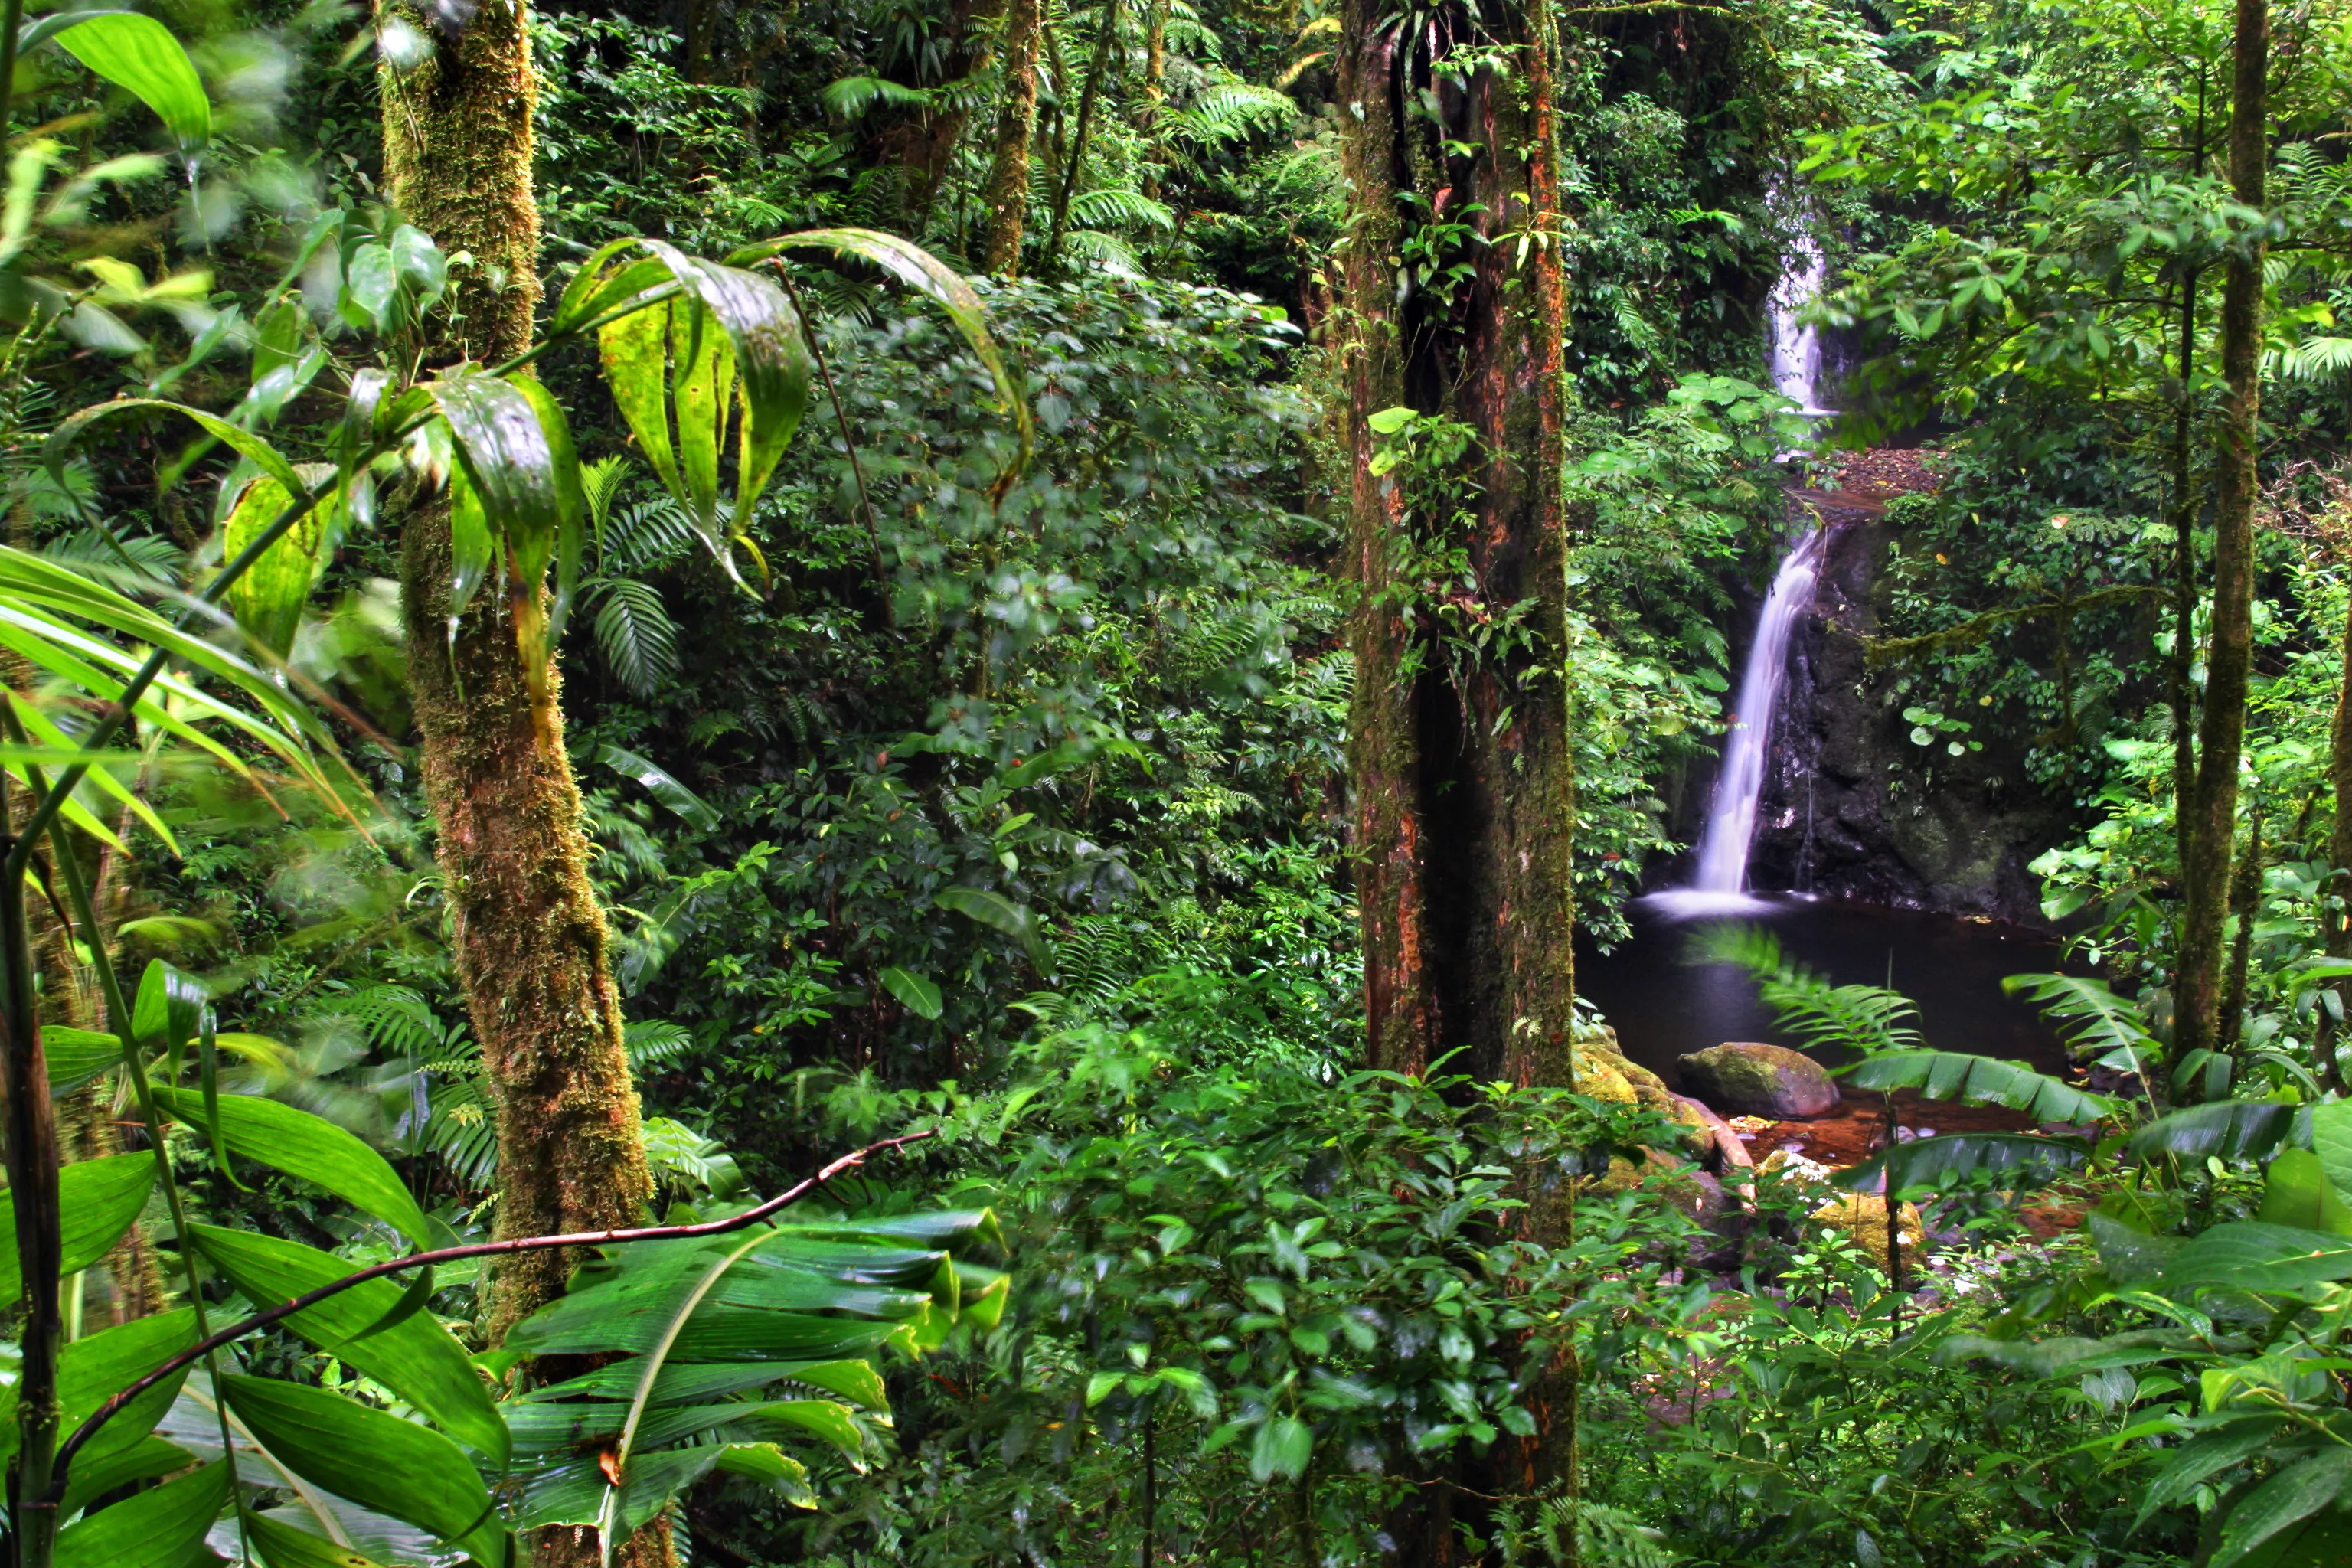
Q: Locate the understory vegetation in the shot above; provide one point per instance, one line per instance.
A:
(819, 781)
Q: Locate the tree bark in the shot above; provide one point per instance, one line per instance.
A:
(1460, 762)
(1016, 127)
(530, 942)
(2338, 922)
(2222, 730)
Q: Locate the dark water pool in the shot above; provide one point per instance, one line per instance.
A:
(1663, 1006)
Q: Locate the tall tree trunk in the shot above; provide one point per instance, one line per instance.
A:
(1461, 765)
(2222, 731)
(531, 940)
(1016, 127)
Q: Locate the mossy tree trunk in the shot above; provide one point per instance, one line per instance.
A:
(1460, 760)
(2212, 807)
(530, 942)
(1016, 127)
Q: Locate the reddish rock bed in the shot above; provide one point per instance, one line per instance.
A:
(1854, 1131)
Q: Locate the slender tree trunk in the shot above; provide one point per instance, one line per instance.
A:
(2339, 852)
(2184, 575)
(1016, 129)
(2213, 809)
(2245, 903)
(1461, 768)
(531, 940)
(1075, 162)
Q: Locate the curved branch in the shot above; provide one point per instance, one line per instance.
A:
(210, 1343)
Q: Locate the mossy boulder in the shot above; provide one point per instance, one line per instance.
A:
(1745, 1077)
(1605, 1072)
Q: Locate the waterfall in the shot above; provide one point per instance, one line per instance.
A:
(1731, 817)
(1720, 884)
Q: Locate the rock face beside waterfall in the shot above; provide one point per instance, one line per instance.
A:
(1843, 812)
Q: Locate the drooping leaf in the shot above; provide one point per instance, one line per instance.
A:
(659, 783)
(311, 1148)
(2096, 1020)
(920, 270)
(374, 1459)
(770, 354)
(2203, 1457)
(527, 569)
(255, 449)
(2296, 1191)
(139, 55)
(417, 1359)
(268, 599)
(1938, 1163)
(2247, 1254)
(2288, 1497)
(162, 1528)
(1982, 1080)
(992, 910)
(97, 1200)
(2232, 1130)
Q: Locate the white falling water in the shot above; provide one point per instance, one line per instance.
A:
(1720, 884)
(1731, 818)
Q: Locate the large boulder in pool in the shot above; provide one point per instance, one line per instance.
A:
(1744, 1077)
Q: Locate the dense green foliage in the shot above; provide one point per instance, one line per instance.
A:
(968, 763)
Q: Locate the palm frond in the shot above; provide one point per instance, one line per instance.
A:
(1866, 1018)
(1097, 209)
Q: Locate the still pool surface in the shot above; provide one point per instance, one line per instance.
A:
(1663, 1006)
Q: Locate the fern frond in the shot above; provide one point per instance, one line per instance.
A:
(1866, 1018)
(1098, 208)
(1107, 251)
(635, 635)
(651, 1041)
(854, 95)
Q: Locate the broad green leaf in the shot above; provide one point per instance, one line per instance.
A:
(2248, 1254)
(1938, 1163)
(375, 1460)
(371, 282)
(2202, 1458)
(2288, 1497)
(921, 996)
(311, 1148)
(2296, 1191)
(528, 567)
(635, 350)
(168, 1009)
(992, 910)
(506, 452)
(1981, 1080)
(159, 1529)
(702, 386)
(97, 1200)
(96, 1474)
(1283, 1448)
(139, 55)
(77, 1055)
(2331, 1140)
(283, 1546)
(472, 546)
(415, 1359)
(268, 599)
(661, 786)
(2231, 1129)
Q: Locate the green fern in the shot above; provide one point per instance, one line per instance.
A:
(635, 635)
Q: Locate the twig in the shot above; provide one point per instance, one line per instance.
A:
(309, 1299)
